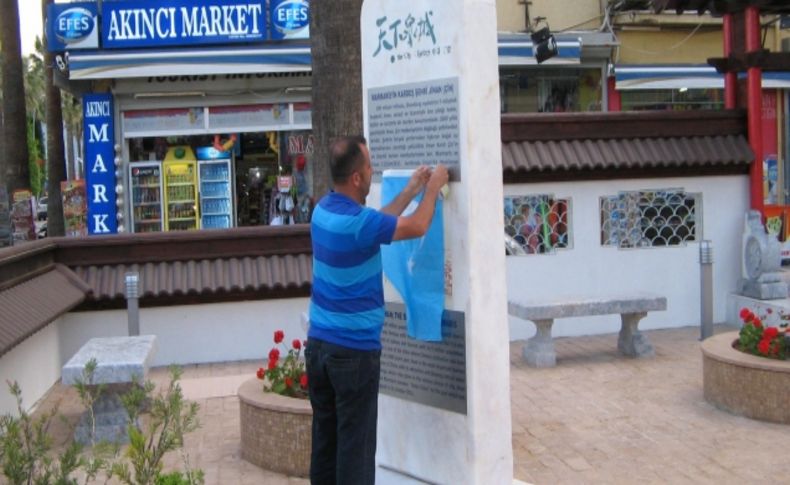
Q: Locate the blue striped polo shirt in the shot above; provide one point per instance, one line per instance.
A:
(347, 304)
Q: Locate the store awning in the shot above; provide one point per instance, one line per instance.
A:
(516, 50)
(667, 77)
(635, 77)
(188, 62)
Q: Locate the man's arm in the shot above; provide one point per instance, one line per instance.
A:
(417, 224)
(413, 188)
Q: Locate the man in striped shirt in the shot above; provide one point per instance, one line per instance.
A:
(347, 308)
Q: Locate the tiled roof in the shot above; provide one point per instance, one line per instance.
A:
(204, 277)
(620, 145)
(720, 7)
(574, 155)
(29, 306)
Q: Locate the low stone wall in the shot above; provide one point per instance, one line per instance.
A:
(275, 430)
(744, 384)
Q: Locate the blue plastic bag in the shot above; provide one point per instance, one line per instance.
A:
(416, 266)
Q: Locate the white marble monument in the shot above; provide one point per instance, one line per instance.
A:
(431, 95)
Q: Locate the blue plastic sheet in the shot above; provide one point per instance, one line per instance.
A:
(416, 267)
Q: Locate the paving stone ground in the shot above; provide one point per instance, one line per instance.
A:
(599, 418)
(595, 418)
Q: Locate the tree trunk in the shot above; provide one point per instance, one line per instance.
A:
(56, 164)
(15, 171)
(337, 80)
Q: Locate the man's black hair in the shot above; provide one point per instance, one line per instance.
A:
(345, 157)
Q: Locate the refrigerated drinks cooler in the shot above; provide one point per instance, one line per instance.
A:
(180, 184)
(216, 192)
(146, 185)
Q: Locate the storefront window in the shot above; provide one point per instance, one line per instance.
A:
(529, 90)
(186, 182)
(672, 99)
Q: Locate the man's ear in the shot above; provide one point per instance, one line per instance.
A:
(355, 178)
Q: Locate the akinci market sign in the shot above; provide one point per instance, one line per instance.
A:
(150, 23)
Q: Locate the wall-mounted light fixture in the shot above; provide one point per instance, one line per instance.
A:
(544, 46)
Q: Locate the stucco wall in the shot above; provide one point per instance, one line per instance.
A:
(35, 364)
(186, 335)
(668, 46)
(588, 269)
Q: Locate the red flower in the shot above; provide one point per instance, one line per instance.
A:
(274, 354)
(272, 364)
(770, 332)
(764, 346)
(744, 313)
(289, 382)
(303, 381)
(297, 344)
(261, 373)
(279, 335)
(757, 323)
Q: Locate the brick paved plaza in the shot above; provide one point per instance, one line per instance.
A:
(595, 418)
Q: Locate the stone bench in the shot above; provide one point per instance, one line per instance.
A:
(539, 350)
(119, 361)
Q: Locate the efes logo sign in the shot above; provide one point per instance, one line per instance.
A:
(290, 19)
(72, 26)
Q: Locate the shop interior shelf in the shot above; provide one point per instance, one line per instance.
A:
(204, 214)
(148, 221)
(146, 186)
(181, 219)
(215, 181)
(185, 201)
(214, 196)
(179, 184)
(156, 202)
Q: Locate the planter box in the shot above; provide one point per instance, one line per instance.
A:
(744, 384)
(275, 430)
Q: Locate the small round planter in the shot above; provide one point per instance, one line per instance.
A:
(745, 384)
(275, 430)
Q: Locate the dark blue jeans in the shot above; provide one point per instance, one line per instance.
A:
(344, 391)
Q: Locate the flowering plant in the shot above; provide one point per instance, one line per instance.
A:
(759, 339)
(286, 375)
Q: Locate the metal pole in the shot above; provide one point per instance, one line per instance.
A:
(132, 302)
(706, 288)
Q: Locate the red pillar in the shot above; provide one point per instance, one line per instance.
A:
(731, 77)
(613, 95)
(755, 108)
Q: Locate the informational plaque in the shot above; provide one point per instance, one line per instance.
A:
(429, 373)
(414, 124)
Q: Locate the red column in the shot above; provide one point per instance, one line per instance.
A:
(755, 108)
(731, 77)
(613, 95)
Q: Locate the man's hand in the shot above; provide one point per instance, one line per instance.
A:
(439, 178)
(418, 180)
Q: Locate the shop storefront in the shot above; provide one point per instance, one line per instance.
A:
(690, 87)
(572, 81)
(196, 117)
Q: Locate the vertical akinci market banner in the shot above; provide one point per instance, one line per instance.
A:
(99, 140)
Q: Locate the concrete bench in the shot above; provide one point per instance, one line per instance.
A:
(539, 350)
(119, 360)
